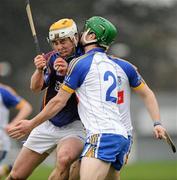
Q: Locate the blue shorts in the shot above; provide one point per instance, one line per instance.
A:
(111, 148)
(2, 155)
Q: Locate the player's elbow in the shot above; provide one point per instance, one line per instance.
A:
(35, 88)
(36, 85)
(28, 108)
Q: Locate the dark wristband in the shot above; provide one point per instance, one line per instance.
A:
(156, 123)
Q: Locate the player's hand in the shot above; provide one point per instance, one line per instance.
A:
(61, 66)
(9, 126)
(20, 129)
(159, 132)
(40, 62)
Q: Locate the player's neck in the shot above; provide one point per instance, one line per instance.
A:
(90, 47)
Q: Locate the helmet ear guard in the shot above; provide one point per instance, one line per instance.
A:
(84, 41)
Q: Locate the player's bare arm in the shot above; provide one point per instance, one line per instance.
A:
(24, 127)
(24, 109)
(153, 108)
(37, 78)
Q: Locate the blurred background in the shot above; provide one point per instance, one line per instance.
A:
(147, 38)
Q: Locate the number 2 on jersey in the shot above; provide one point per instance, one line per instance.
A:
(119, 99)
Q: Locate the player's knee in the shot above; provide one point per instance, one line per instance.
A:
(64, 159)
(74, 171)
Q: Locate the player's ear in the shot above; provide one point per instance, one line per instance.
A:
(92, 36)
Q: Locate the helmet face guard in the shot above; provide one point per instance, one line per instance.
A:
(64, 28)
(104, 30)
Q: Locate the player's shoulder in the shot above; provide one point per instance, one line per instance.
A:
(6, 93)
(80, 60)
(123, 62)
(8, 89)
(80, 64)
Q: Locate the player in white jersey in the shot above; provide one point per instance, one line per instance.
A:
(9, 99)
(98, 80)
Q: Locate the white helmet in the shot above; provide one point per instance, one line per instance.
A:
(63, 28)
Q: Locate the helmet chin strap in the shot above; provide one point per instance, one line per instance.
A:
(89, 44)
(86, 42)
(74, 41)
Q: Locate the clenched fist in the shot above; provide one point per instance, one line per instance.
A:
(40, 62)
(61, 66)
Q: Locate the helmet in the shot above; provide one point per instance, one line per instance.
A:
(62, 29)
(104, 30)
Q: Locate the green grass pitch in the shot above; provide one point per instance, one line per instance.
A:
(162, 170)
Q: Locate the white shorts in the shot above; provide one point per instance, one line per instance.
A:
(4, 141)
(46, 136)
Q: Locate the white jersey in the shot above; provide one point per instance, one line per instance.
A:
(4, 113)
(102, 87)
(128, 78)
(7, 100)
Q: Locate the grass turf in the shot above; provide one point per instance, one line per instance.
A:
(150, 171)
(162, 170)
